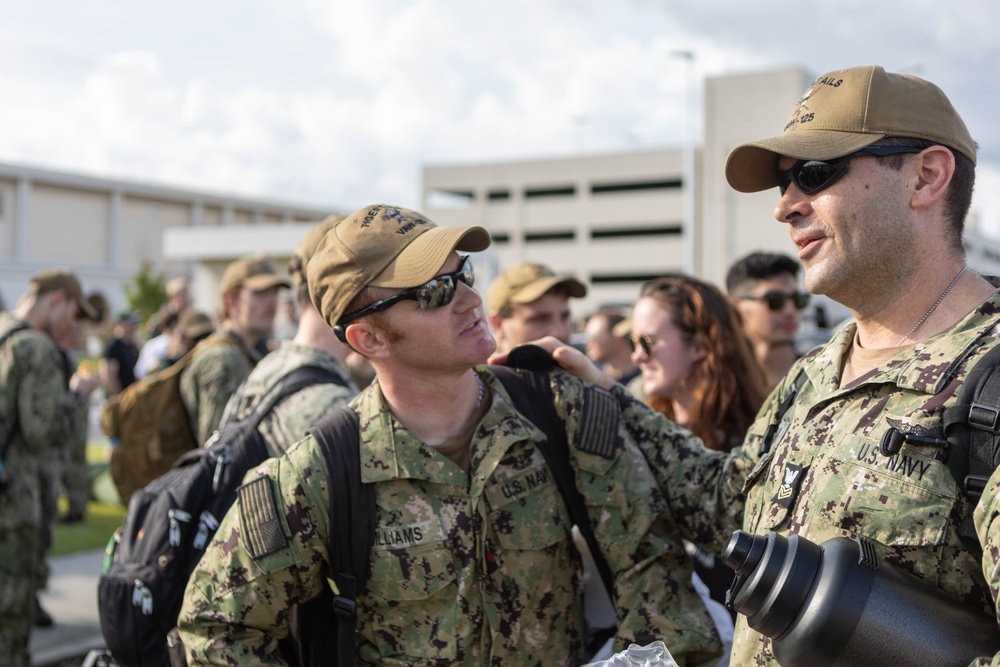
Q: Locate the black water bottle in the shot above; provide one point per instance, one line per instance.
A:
(839, 604)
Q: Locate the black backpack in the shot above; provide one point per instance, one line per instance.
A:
(352, 511)
(170, 522)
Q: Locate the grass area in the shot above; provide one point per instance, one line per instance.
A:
(92, 533)
(104, 515)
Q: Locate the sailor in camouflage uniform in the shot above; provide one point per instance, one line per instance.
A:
(882, 235)
(224, 359)
(473, 561)
(37, 414)
(314, 344)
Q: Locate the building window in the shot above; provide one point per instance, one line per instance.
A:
(536, 193)
(636, 186)
(498, 195)
(500, 237)
(622, 232)
(619, 278)
(549, 236)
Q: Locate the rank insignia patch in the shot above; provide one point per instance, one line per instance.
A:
(791, 480)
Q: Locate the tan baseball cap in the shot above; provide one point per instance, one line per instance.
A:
(195, 324)
(307, 247)
(51, 280)
(255, 273)
(525, 282)
(382, 246)
(844, 111)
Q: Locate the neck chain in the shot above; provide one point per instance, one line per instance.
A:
(933, 308)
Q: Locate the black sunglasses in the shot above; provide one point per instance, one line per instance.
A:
(812, 176)
(436, 292)
(776, 300)
(645, 342)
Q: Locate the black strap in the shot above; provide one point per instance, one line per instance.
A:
(772, 429)
(352, 523)
(9, 437)
(972, 428)
(531, 393)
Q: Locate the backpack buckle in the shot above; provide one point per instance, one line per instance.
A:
(975, 485)
(344, 607)
(984, 416)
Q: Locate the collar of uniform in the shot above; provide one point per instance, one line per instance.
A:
(389, 451)
(924, 367)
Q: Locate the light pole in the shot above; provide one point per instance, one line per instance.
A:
(688, 176)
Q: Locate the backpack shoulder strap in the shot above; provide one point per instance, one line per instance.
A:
(786, 402)
(531, 393)
(352, 521)
(972, 428)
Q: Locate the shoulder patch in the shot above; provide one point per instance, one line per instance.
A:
(600, 417)
(259, 517)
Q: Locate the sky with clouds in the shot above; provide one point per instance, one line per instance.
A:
(340, 103)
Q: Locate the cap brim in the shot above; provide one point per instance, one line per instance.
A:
(423, 258)
(753, 166)
(265, 281)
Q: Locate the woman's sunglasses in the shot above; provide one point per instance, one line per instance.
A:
(436, 292)
(811, 176)
(645, 342)
(776, 300)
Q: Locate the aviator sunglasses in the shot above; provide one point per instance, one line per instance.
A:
(436, 292)
(812, 176)
(776, 300)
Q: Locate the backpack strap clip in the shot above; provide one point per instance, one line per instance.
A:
(984, 417)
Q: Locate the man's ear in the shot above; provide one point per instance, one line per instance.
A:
(496, 323)
(935, 167)
(366, 340)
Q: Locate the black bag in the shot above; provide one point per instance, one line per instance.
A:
(168, 525)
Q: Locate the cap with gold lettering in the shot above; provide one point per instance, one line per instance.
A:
(844, 111)
(382, 246)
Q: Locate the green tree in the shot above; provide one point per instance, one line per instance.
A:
(146, 292)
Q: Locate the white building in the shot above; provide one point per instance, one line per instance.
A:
(104, 229)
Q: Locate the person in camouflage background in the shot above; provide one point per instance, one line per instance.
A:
(37, 411)
(314, 344)
(881, 235)
(473, 561)
(249, 304)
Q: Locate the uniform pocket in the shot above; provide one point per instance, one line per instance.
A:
(413, 596)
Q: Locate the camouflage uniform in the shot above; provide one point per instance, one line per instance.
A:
(291, 419)
(211, 377)
(32, 388)
(476, 569)
(76, 473)
(824, 475)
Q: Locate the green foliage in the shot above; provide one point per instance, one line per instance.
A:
(146, 292)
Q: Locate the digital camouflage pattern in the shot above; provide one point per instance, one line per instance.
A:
(291, 419)
(211, 378)
(476, 569)
(32, 388)
(825, 476)
(76, 474)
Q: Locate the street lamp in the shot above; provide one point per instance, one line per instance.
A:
(688, 177)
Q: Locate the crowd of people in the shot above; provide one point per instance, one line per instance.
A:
(689, 414)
